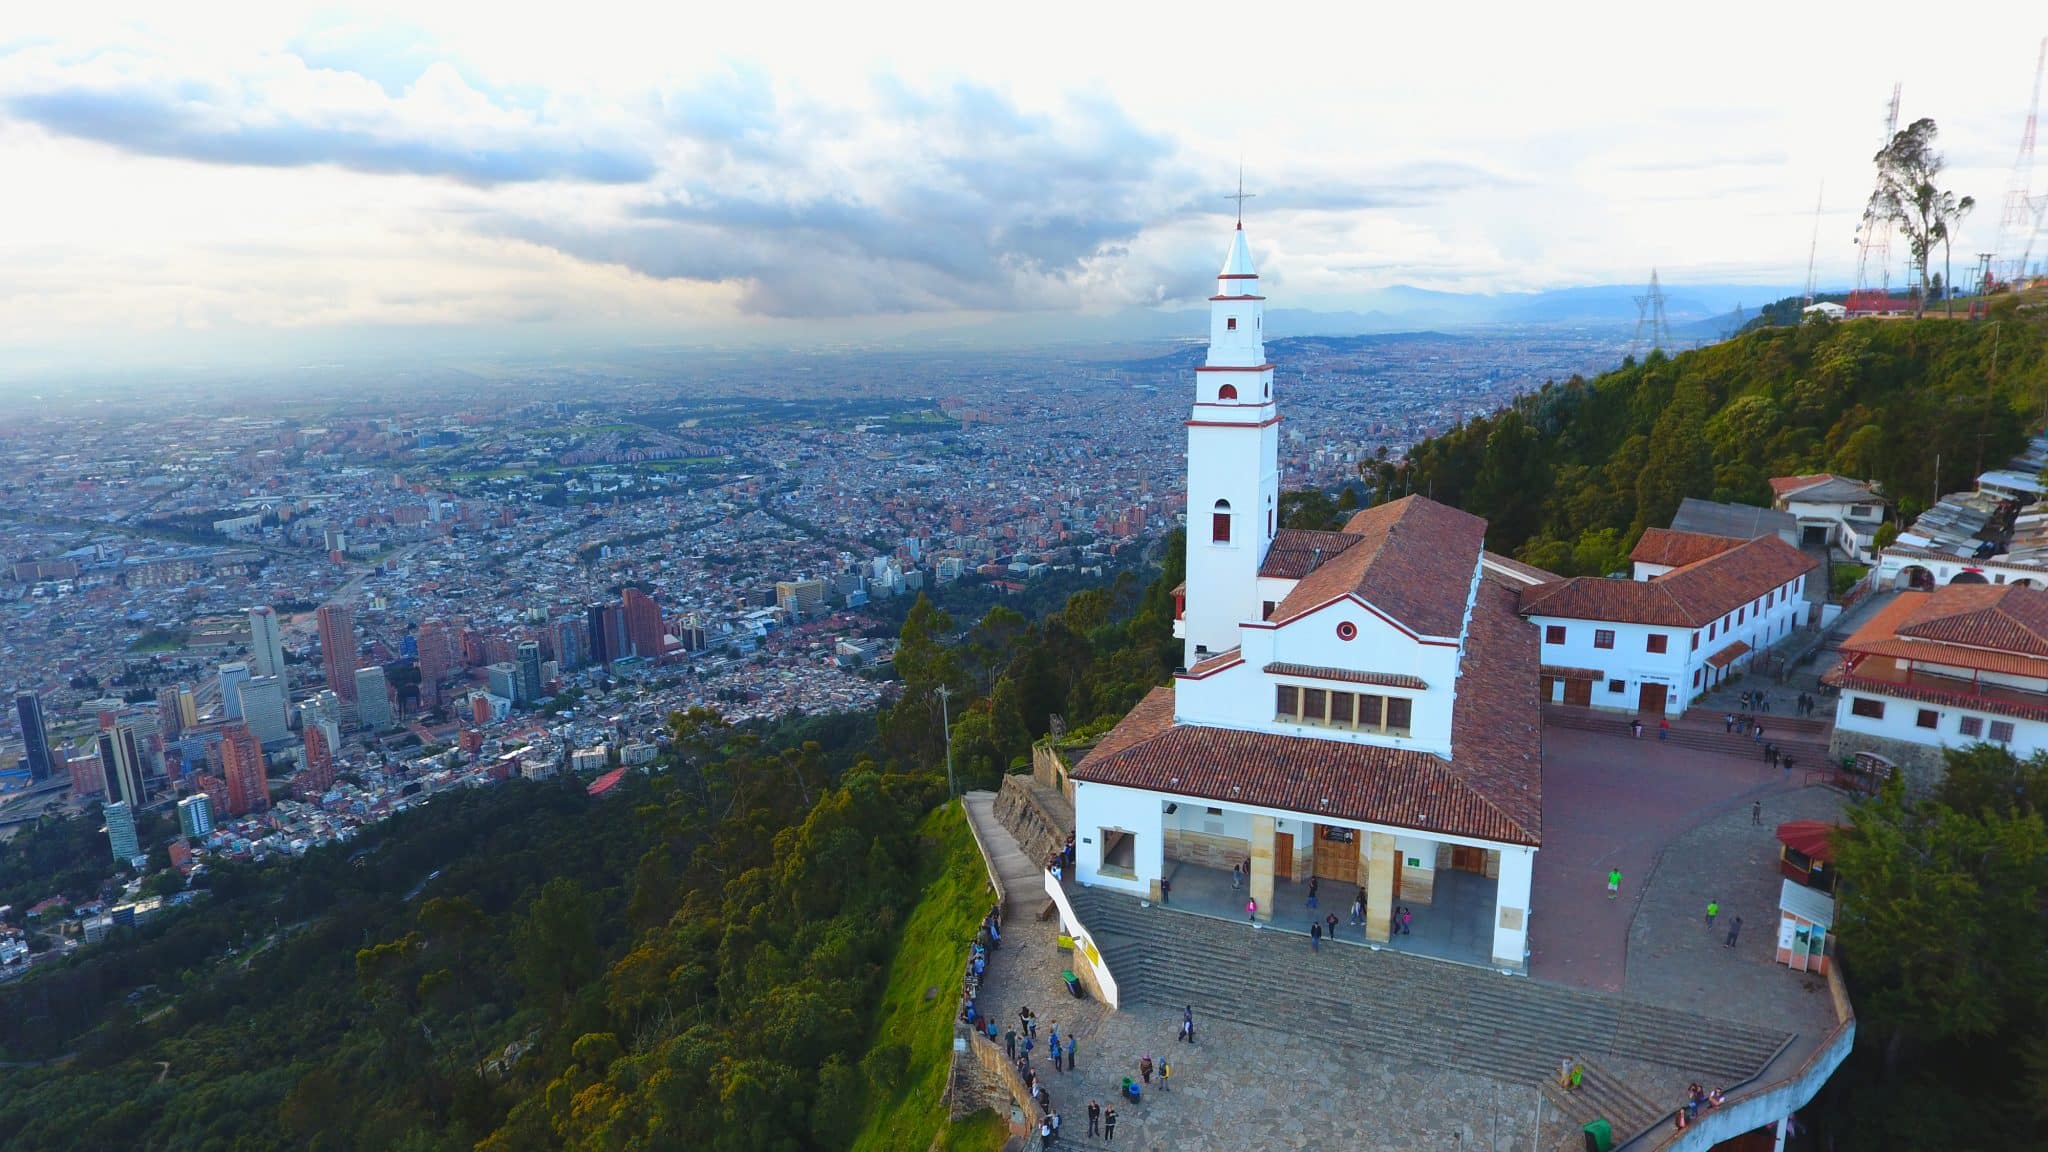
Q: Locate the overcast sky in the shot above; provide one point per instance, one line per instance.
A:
(180, 173)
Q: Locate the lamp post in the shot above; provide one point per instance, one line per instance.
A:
(946, 721)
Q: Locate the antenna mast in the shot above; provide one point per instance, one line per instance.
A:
(1875, 233)
(2016, 226)
(1813, 247)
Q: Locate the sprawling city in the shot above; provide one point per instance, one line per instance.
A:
(841, 581)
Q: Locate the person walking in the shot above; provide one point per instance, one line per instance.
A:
(1358, 908)
(1094, 1119)
(1330, 926)
(1187, 1023)
(1728, 723)
(1758, 735)
(1756, 812)
(1578, 1074)
(1145, 1068)
(1315, 935)
(1166, 1075)
(1055, 1125)
(1010, 1042)
(1663, 729)
(1045, 1134)
(1054, 1047)
(1407, 922)
(1734, 930)
(1636, 726)
(1788, 767)
(1109, 1124)
(1312, 882)
(1236, 875)
(1072, 1044)
(1251, 911)
(1713, 910)
(1613, 882)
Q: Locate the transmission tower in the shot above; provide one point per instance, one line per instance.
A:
(1813, 246)
(2016, 225)
(1874, 234)
(1650, 314)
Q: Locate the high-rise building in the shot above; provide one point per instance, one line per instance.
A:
(188, 710)
(88, 774)
(264, 709)
(266, 641)
(802, 599)
(244, 772)
(373, 698)
(322, 737)
(570, 640)
(529, 671)
(121, 765)
(35, 736)
(170, 722)
(607, 625)
(195, 815)
(338, 649)
(643, 624)
(121, 832)
(232, 677)
(436, 643)
(504, 681)
(691, 632)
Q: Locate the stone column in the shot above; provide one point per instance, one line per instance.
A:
(1262, 865)
(1511, 907)
(1379, 886)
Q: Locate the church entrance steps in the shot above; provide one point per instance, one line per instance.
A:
(1603, 1095)
(1695, 734)
(1507, 1028)
(1794, 727)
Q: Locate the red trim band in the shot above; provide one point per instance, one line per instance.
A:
(1237, 297)
(1238, 276)
(1231, 423)
(1220, 368)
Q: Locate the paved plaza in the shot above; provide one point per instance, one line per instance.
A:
(1677, 820)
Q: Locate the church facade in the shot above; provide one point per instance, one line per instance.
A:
(1356, 706)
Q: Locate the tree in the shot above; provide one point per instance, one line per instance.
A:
(1907, 168)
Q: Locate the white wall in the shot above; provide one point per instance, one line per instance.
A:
(1099, 806)
(1072, 926)
(1517, 868)
(1631, 662)
(1890, 565)
(1901, 722)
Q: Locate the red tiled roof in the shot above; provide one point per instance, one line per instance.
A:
(606, 782)
(1216, 663)
(1675, 549)
(1688, 597)
(1783, 486)
(1294, 551)
(1414, 560)
(1953, 627)
(1348, 676)
(1491, 789)
(1729, 655)
(2007, 617)
(1809, 838)
(1560, 672)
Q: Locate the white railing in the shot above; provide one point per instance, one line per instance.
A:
(1085, 951)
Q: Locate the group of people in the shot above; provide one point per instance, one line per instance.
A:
(987, 937)
(1019, 1044)
(1696, 1099)
(1061, 860)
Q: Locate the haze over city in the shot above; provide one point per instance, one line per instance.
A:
(290, 182)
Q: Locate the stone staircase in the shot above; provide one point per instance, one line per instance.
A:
(1470, 1019)
(1601, 1094)
(1805, 740)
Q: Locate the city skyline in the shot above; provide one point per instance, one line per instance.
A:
(271, 181)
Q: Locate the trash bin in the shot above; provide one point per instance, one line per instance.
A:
(1599, 1136)
(1073, 983)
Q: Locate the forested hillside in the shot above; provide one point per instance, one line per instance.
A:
(694, 960)
(1569, 476)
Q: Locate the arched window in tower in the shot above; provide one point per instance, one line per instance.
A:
(1227, 392)
(1219, 523)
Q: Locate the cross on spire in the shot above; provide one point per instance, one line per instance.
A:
(1240, 196)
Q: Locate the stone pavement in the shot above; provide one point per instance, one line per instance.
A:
(1609, 800)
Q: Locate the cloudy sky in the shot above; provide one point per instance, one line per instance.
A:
(185, 177)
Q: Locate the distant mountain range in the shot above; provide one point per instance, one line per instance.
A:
(1692, 311)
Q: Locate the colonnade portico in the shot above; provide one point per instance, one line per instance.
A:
(1194, 843)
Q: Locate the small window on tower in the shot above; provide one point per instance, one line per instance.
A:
(1231, 324)
(1219, 523)
(1227, 392)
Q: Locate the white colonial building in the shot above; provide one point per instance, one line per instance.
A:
(1933, 670)
(1697, 610)
(1833, 511)
(1356, 706)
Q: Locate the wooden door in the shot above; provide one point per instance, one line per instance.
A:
(1547, 690)
(1650, 700)
(1336, 860)
(1578, 691)
(1468, 859)
(1283, 855)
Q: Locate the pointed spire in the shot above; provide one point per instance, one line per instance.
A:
(1238, 265)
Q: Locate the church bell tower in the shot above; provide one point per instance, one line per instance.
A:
(1233, 463)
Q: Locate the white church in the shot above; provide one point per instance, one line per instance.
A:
(1358, 706)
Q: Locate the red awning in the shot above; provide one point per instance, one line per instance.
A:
(1729, 655)
(1808, 838)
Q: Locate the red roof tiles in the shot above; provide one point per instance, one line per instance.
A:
(1990, 628)
(1675, 549)
(1295, 552)
(1688, 597)
(1414, 560)
(1491, 789)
